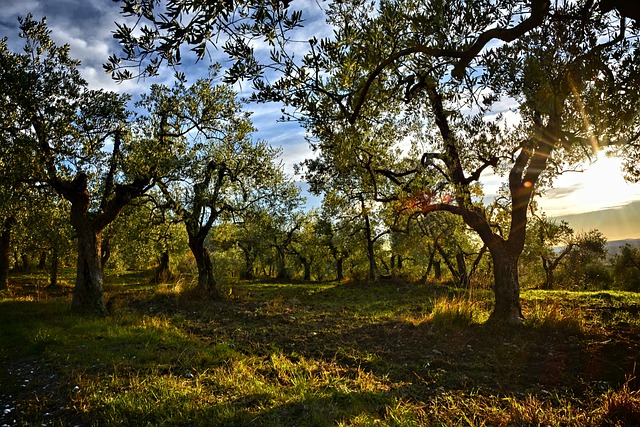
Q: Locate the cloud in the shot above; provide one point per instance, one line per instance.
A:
(562, 193)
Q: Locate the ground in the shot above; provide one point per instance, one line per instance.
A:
(387, 353)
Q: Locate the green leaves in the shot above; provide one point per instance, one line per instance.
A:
(200, 25)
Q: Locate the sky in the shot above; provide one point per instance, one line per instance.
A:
(598, 196)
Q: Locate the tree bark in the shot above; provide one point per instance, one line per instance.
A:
(25, 262)
(548, 271)
(370, 248)
(506, 287)
(437, 270)
(306, 263)
(5, 246)
(207, 283)
(249, 260)
(163, 272)
(42, 262)
(87, 293)
(105, 250)
(339, 269)
(281, 266)
(463, 276)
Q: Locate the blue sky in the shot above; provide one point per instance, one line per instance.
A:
(87, 26)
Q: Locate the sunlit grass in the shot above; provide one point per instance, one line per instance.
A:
(552, 315)
(305, 354)
(457, 312)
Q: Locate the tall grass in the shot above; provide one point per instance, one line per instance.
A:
(456, 312)
(552, 314)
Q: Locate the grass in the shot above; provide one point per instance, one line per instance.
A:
(320, 354)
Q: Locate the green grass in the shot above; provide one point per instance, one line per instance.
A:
(325, 354)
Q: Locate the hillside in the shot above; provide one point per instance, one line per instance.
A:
(617, 224)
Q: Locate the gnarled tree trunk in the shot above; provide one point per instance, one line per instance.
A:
(207, 283)
(340, 269)
(163, 272)
(370, 248)
(306, 263)
(249, 260)
(506, 286)
(281, 265)
(87, 293)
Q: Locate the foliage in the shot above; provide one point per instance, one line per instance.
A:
(585, 265)
(75, 141)
(162, 28)
(626, 268)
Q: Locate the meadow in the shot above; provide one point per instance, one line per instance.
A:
(388, 353)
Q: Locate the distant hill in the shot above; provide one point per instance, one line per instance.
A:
(617, 224)
(614, 246)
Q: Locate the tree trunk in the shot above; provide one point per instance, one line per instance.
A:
(25, 262)
(53, 275)
(306, 263)
(5, 246)
(340, 269)
(506, 285)
(249, 260)
(87, 293)
(105, 250)
(281, 264)
(548, 271)
(163, 272)
(42, 262)
(463, 277)
(207, 283)
(370, 248)
(437, 270)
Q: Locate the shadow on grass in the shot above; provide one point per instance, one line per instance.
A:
(165, 359)
(250, 410)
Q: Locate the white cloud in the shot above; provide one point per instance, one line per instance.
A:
(599, 187)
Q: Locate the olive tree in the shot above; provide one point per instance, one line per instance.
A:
(568, 67)
(218, 169)
(76, 141)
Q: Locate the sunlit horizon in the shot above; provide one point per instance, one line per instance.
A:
(598, 198)
(600, 186)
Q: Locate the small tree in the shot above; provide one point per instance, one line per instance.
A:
(626, 268)
(585, 263)
(217, 170)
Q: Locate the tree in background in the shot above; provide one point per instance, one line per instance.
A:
(253, 239)
(554, 241)
(46, 227)
(217, 170)
(626, 268)
(146, 234)
(586, 265)
(334, 236)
